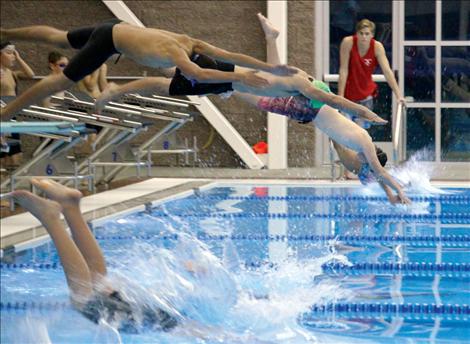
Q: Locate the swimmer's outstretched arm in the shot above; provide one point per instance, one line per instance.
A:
(381, 174)
(242, 60)
(350, 160)
(337, 102)
(192, 71)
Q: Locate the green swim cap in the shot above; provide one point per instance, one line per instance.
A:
(316, 104)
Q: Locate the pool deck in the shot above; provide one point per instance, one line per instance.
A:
(22, 230)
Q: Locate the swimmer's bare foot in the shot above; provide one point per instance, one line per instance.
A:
(269, 30)
(62, 194)
(44, 210)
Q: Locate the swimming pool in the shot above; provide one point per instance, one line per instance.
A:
(283, 263)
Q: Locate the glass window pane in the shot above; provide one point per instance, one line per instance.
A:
(419, 73)
(420, 133)
(420, 20)
(456, 74)
(343, 18)
(383, 107)
(455, 20)
(455, 135)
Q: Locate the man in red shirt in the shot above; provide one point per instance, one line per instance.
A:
(359, 56)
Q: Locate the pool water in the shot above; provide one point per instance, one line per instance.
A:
(287, 264)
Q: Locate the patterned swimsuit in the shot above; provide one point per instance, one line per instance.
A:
(295, 107)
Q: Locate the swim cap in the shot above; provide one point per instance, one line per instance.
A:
(3, 45)
(381, 155)
(316, 104)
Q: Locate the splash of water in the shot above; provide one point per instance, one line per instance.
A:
(416, 174)
(190, 282)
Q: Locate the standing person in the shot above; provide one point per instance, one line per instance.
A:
(146, 46)
(9, 90)
(359, 56)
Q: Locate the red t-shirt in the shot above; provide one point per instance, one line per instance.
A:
(359, 84)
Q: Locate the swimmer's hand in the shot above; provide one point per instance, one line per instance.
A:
(284, 70)
(372, 117)
(110, 92)
(400, 199)
(253, 80)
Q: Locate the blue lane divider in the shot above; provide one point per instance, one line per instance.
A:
(338, 309)
(455, 199)
(406, 310)
(446, 217)
(422, 241)
(422, 269)
(409, 269)
(33, 305)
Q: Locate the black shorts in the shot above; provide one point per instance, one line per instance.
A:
(181, 86)
(96, 46)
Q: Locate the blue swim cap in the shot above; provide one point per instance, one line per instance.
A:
(316, 104)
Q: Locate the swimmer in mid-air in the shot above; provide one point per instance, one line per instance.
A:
(149, 47)
(299, 96)
(83, 261)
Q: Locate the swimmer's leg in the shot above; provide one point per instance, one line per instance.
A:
(75, 267)
(270, 34)
(69, 199)
(145, 86)
(49, 85)
(38, 34)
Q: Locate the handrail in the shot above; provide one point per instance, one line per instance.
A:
(335, 78)
(396, 134)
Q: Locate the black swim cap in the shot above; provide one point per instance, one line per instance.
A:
(4, 44)
(381, 155)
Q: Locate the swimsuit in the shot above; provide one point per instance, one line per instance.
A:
(294, 107)
(96, 46)
(182, 86)
(365, 174)
(112, 307)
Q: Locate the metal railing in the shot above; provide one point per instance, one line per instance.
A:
(396, 133)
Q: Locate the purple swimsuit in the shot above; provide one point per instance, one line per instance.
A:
(295, 107)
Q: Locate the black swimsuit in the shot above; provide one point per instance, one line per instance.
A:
(96, 46)
(181, 86)
(112, 307)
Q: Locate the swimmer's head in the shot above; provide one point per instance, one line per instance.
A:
(7, 53)
(57, 62)
(381, 155)
(6, 46)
